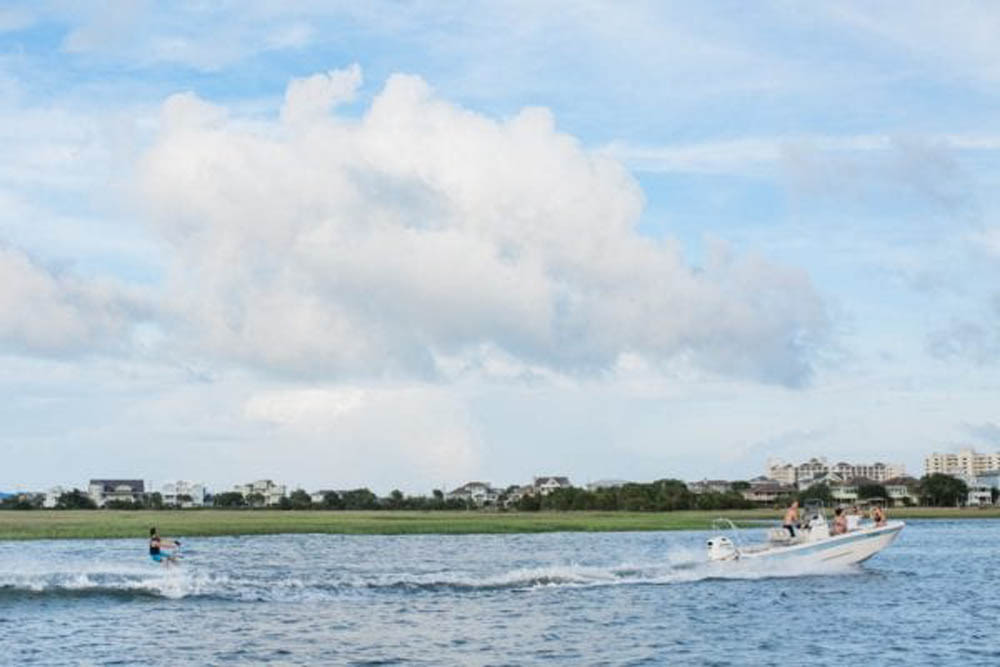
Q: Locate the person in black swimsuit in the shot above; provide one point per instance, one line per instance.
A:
(156, 546)
(791, 520)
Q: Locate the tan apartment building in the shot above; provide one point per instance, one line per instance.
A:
(814, 468)
(967, 462)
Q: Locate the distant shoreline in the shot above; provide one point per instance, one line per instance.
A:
(111, 524)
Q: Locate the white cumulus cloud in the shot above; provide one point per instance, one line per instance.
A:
(47, 312)
(331, 245)
(305, 99)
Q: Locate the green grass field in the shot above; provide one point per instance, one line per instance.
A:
(106, 524)
(83, 524)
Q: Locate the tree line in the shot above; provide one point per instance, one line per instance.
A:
(937, 490)
(660, 496)
(664, 495)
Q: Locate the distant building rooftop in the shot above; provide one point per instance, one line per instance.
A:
(137, 485)
(607, 484)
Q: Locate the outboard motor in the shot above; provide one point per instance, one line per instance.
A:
(721, 547)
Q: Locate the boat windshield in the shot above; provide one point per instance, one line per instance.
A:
(813, 509)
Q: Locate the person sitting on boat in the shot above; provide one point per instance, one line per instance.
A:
(156, 546)
(853, 518)
(839, 522)
(878, 516)
(791, 520)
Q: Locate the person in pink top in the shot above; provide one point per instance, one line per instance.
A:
(839, 521)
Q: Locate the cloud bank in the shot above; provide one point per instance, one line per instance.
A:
(324, 244)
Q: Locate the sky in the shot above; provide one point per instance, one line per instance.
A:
(411, 244)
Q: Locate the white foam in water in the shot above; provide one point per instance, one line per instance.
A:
(678, 566)
(169, 582)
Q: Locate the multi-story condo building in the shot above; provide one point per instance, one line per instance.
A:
(271, 492)
(103, 491)
(967, 462)
(781, 472)
(804, 473)
(183, 494)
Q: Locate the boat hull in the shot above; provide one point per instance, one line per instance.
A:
(854, 547)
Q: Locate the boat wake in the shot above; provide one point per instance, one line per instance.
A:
(113, 581)
(682, 571)
(678, 567)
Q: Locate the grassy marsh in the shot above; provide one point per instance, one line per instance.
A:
(83, 524)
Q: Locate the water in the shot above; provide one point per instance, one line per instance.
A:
(562, 598)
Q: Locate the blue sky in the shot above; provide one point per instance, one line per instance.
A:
(412, 244)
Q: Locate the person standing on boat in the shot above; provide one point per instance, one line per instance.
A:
(791, 520)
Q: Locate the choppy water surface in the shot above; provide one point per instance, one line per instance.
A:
(571, 598)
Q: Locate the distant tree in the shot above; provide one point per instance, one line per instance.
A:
(75, 500)
(154, 500)
(436, 502)
(707, 501)
(722, 501)
(738, 501)
(256, 499)
(299, 500)
(119, 504)
(360, 499)
(395, 500)
(229, 499)
(332, 501)
(866, 491)
(567, 499)
(184, 498)
(529, 502)
(635, 498)
(458, 504)
(606, 499)
(994, 495)
(741, 486)
(940, 490)
(672, 494)
(817, 492)
(29, 502)
(22, 501)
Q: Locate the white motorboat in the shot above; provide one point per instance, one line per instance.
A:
(812, 544)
